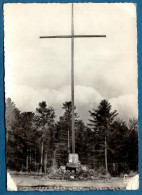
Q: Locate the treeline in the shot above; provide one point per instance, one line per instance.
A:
(40, 143)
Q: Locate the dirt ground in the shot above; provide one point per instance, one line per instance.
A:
(42, 183)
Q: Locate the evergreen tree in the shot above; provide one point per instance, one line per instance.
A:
(132, 143)
(64, 133)
(10, 114)
(45, 123)
(83, 138)
(118, 153)
(102, 119)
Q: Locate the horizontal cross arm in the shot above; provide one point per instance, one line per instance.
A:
(72, 36)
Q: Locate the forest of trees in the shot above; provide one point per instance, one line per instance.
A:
(39, 142)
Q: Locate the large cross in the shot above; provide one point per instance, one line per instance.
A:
(72, 36)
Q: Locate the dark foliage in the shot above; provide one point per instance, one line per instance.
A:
(36, 142)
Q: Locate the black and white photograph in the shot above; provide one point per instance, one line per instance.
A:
(71, 96)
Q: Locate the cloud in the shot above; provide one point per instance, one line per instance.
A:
(86, 98)
(126, 105)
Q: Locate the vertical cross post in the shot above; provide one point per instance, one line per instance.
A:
(72, 81)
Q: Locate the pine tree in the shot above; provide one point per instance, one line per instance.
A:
(64, 133)
(10, 113)
(45, 123)
(12, 116)
(132, 143)
(102, 119)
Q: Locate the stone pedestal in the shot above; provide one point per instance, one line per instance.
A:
(73, 162)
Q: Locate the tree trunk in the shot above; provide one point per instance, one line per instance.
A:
(45, 162)
(68, 141)
(106, 165)
(35, 161)
(41, 160)
(27, 165)
(30, 159)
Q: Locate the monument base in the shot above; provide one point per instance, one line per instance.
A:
(73, 163)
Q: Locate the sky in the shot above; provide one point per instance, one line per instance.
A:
(40, 69)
